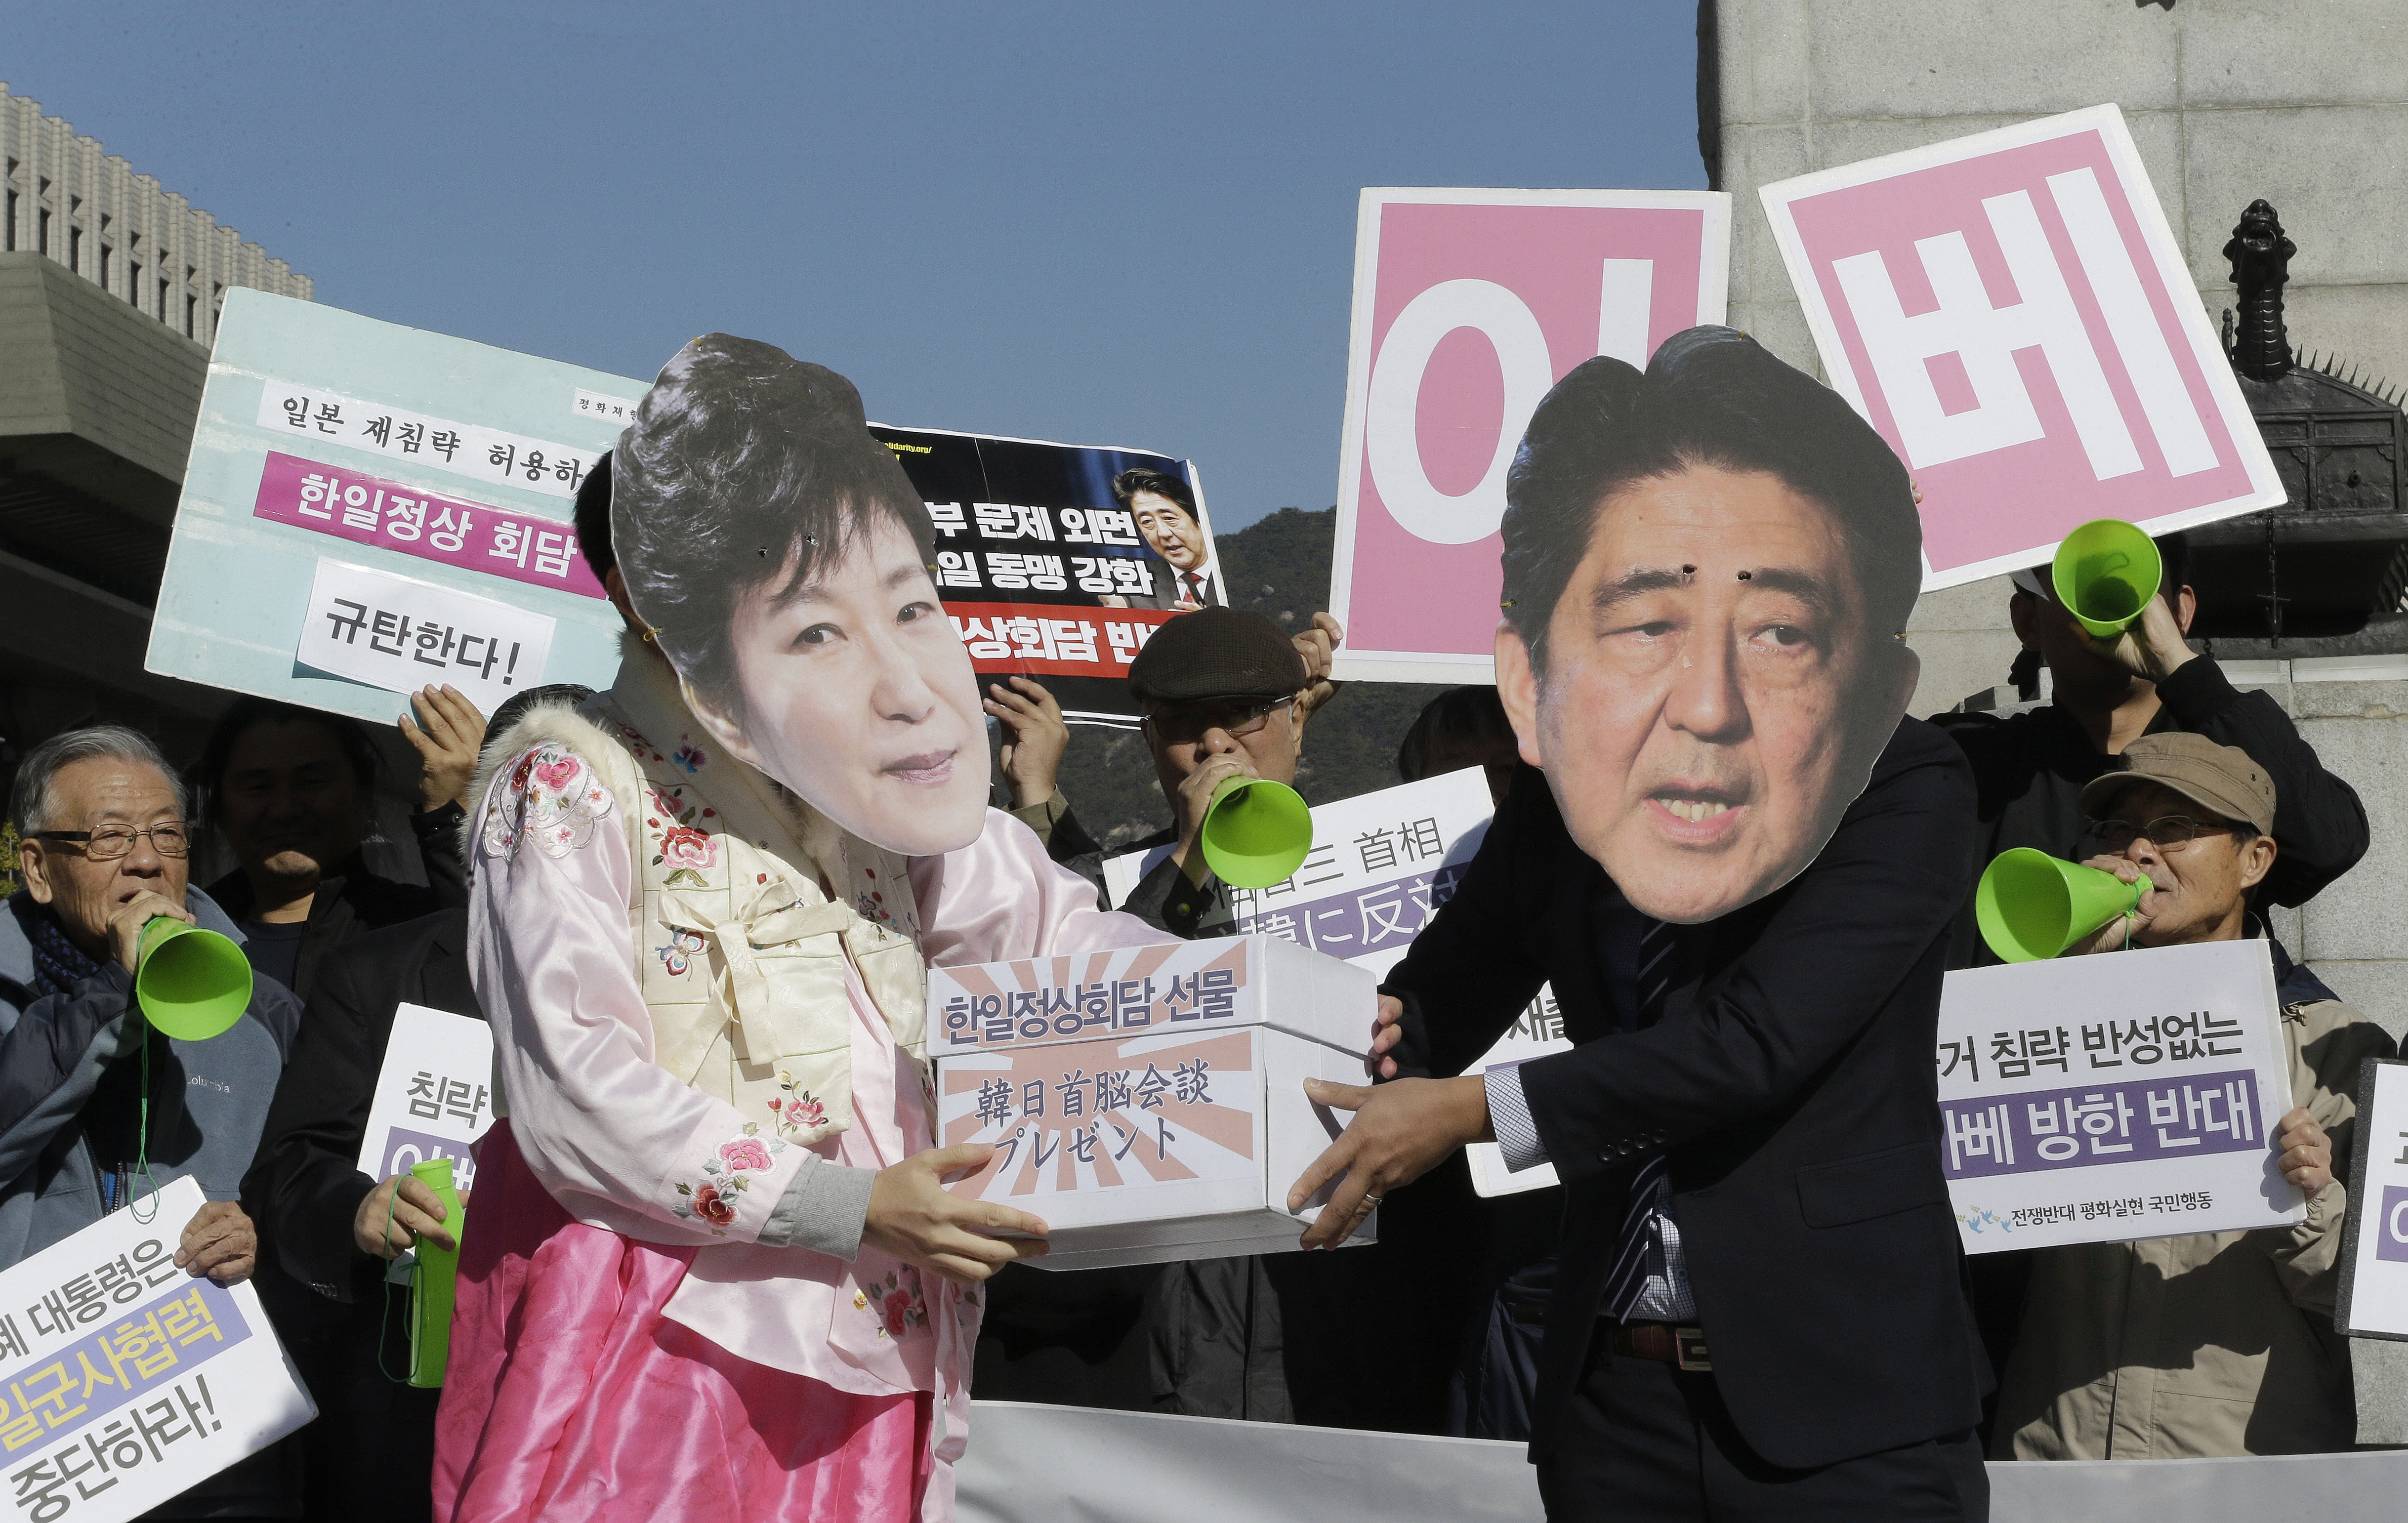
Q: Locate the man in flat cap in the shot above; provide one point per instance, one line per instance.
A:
(2217, 1343)
(1218, 689)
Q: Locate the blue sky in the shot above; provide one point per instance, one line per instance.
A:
(1127, 225)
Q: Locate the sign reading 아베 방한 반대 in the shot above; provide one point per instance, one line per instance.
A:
(2113, 1096)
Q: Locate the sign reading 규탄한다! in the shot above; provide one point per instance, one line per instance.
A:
(2113, 1096)
(124, 1381)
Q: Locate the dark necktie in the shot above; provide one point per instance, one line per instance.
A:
(1640, 1251)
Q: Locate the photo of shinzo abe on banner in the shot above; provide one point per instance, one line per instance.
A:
(1059, 561)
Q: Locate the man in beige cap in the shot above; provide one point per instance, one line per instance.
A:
(2222, 1342)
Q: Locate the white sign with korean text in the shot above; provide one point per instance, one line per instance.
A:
(1381, 864)
(401, 634)
(431, 1098)
(124, 1381)
(2114, 1097)
(313, 415)
(2374, 1300)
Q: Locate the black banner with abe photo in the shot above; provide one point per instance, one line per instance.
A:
(1059, 561)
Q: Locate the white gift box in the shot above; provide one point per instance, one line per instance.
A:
(1148, 1103)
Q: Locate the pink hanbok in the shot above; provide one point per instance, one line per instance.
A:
(624, 1346)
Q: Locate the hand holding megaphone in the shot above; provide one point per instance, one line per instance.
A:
(2108, 576)
(126, 926)
(2125, 928)
(189, 984)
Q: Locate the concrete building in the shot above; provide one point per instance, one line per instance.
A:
(149, 247)
(2303, 102)
(109, 290)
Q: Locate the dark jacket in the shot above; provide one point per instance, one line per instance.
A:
(1168, 899)
(1790, 1082)
(352, 899)
(209, 1099)
(2031, 763)
(328, 1298)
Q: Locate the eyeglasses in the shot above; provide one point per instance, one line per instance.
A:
(1186, 724)
(2168, 832)
(111, 842)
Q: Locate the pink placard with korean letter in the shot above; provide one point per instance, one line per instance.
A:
(1469, 306)
(2012, 312)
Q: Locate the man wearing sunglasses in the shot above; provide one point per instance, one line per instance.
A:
(2214, 1344)
(104, 850)
(1218, 690)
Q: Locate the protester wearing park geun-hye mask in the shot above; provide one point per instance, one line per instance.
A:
(700, 907)
(1737, 865)
(105, 849)
(2210, 1343)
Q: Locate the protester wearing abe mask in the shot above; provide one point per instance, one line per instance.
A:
(1736, 864)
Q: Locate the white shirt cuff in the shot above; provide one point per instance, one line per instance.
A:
(1509, 1117)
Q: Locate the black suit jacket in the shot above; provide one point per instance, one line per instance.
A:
(1790, 1082)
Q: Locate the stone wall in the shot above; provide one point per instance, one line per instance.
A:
(2303, 102)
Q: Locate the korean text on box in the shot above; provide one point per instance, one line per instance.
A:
(123, 1381)
(1149, 1102)
(2114, 1097)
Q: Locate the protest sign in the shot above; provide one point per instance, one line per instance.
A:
(124, 1381)
(1469, 305)
(1148, 1103)
(1055, 562)
(2013, 313)
(2374, 1298)
(431, 1098)
(1381, 864)
(335, 451)
(370, 509)
(2112, 1096)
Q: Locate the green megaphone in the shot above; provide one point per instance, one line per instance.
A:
(2032, 906)
(192, 983)
(1255, 832)
(434, 1281)
(2106, 571)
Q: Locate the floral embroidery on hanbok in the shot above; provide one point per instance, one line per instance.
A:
(896, 1302)
(798, 1114)
(690, 757)
(552, 799)
(726, 1175)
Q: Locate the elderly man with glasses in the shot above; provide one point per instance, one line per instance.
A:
(104, 852)
(2214, 1344)
(1219, 691)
